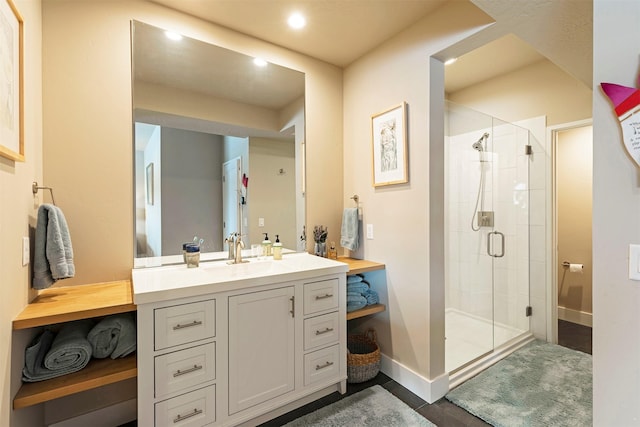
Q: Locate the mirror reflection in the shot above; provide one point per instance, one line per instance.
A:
(219, 146)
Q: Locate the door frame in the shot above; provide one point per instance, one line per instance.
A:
(552, 295)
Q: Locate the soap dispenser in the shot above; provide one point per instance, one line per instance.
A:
(277, 249)
(266, 245)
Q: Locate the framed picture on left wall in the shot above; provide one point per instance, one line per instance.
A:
(11, 82)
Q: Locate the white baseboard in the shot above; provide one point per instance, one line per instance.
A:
(429, 390)
(574, 316)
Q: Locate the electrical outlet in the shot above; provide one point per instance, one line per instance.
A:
(370, 231)
(260, 222)
(25, 251)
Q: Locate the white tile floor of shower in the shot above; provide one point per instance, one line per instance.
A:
(468, 337)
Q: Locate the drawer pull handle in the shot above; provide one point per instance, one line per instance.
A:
(325, 296)
(325, 331)
(179, 418)
(187, 325)
(326, 365)
(187, 371)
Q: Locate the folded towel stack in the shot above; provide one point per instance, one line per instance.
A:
(114, 336)
(359, 293)
(51, 355)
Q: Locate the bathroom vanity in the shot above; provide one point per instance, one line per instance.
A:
(228, 344)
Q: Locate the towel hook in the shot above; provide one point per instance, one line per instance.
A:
(35, 188)
(356, 199)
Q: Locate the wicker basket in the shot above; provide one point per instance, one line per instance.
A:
(363, 357)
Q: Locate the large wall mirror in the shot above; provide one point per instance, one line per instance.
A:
(218, 146)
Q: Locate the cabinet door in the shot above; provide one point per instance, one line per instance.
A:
(261, 347)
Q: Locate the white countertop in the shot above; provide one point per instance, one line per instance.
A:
(155, 284)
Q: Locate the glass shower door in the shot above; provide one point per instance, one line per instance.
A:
(487, 228)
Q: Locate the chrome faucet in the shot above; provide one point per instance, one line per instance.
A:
(231, 241)
(235, 248)
(239, 244)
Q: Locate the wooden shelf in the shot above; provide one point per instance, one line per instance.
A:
(357, 266)
(97, 373)
(366, 311)
(65, 304)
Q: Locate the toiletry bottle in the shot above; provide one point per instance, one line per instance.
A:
(266, 245)
(333, 251)
(277, 249)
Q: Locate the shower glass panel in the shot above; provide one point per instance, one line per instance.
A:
(487, 240)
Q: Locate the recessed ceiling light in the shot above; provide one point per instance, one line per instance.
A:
(297, 21)
(260, 62)
(450, 61)
(173, 36)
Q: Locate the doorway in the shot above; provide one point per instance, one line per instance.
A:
(572, 176)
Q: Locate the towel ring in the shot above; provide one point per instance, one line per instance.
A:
(35, 188)
(356, 199)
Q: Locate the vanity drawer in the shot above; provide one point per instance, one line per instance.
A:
(322, 365)
(181, 324)
(321, 330)
(182, 369)
(191, 409)
(320, 296)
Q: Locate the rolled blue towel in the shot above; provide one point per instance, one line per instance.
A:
(114, 336)
(50, 355)
(34, 369)
(70, 350)
(357, 287)
(355, 301)
(371, 296)
(354, 279)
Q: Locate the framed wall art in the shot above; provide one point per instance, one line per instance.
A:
(389, 141)
(11, 84)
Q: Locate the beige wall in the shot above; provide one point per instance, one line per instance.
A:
(574, 164)
(17, 214)
(87, 123)
(399, 71)
(543, 88)
(616, 209)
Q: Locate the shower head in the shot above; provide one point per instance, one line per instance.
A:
(478, 144)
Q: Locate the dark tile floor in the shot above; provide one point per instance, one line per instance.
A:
(442, 412)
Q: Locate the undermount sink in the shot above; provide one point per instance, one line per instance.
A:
(175, 281)
(249, 267)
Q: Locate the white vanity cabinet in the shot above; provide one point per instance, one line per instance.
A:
(261, 346)
(240, 352)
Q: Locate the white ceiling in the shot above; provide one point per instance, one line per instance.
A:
(341, 31)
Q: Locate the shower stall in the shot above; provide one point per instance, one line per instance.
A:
(489, 233)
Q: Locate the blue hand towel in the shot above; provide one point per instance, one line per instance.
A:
(355, 301)
(349, 231)
(53, 253)
(354, 279)
(114, 336)
(371, 296)
(359, 288)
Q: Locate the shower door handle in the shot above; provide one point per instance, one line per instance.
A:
(489, 244)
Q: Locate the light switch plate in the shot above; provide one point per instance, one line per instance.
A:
(370, 231)
(634, 262)
(25, 251)
(260, 222)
